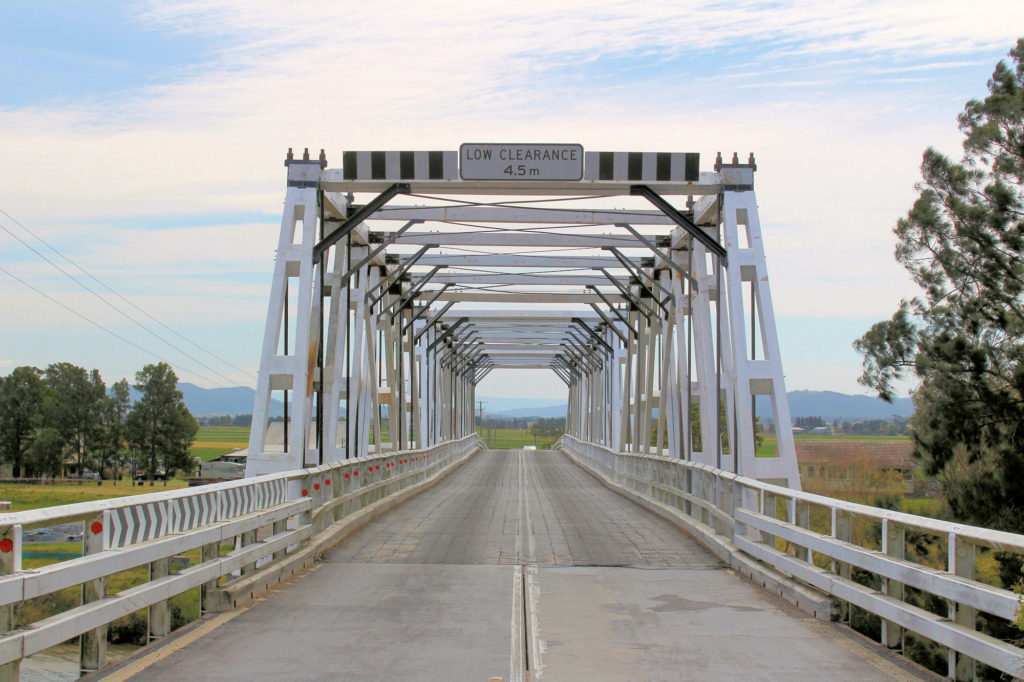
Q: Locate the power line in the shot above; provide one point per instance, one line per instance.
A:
(100, 326)
(109, 304)
(116, 293)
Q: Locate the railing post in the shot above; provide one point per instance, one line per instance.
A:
(208, 591)
(727, 504)
(349, 484)
(705, 495)
(961, 560)
(739, 492)
(160, 612)
(306, 517)
(10, 563)
(245, 539)
(802, 518)
(894, 545)
(319, 495)
(336, 491)
(92, 647)
(688, 487)
(769, 508)
(842, 529)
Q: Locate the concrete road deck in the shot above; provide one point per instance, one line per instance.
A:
(520, 559)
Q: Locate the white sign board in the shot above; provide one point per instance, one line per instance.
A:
(521, 161)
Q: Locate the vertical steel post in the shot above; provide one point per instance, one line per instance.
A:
(10, 563)
(894, 545)
(159, 614)
(92, 648)
(961, 560)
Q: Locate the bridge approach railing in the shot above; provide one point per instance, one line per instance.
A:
(833, 557)
(249, 534)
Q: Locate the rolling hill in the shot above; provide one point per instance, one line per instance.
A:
(828, 405)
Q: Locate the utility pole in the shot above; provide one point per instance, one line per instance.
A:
(481, 404)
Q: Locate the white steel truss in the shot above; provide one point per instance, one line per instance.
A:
(660, 322)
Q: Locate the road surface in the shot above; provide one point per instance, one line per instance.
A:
(519, 565)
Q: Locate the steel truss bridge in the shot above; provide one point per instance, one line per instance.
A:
(376, 537)
(649, 314)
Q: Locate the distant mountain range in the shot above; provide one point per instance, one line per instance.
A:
(204, 402)
(828, 405)
(546, 412)
(506, 406)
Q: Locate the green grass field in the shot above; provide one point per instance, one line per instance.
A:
(213, 441)
(24, 496)
(514, 439)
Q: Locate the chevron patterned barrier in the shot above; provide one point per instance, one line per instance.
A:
(265, 522)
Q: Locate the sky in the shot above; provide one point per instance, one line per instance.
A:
(144, 141)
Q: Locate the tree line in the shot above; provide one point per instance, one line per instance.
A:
(227, 420)
(962, 337)
(896, 426)
(64, 420)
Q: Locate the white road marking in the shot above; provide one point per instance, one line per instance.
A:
(532, 594)
(537, 645)
(518, 637)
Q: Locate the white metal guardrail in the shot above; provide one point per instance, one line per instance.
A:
(742, 519)
(266, 520)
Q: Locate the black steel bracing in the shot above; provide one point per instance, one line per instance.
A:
(609, 323)
(377, 251)
(657, 252)
(426, 306)
(358, 217)
(611, 306)
(640, 276)
(681, 220)
(402, 299)
(448, 332)
(433, 321)
(644, 310)
(386, 282)
(595, 335)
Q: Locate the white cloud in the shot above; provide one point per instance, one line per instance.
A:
(836, 168)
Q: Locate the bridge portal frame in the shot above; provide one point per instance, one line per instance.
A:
(668, 327)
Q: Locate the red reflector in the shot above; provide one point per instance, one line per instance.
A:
(6, 545)
(316, 486)
(346, 475)
(327, 482)
(96, 527)
(304, 492)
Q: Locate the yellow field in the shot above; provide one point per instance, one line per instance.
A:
(213, 441)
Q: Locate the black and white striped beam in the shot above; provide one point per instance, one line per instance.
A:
(645, 167)
(639, 167)
(400, 165)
